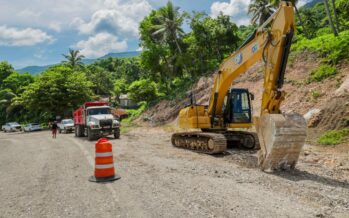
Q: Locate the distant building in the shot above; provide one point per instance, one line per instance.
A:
(125, 102)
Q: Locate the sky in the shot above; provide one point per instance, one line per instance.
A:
(38, 32)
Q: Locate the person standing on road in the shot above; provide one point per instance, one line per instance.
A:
(54, 128)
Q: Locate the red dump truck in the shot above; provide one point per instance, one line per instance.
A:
(95, 120)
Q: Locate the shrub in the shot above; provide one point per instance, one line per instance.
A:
(143, 90)
(332, 49)
(333, 137)
(323, 72)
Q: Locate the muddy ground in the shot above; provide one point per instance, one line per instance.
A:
(43, 177)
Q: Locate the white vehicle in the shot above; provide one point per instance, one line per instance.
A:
(67, 125)
(32, 127)
(11, 127)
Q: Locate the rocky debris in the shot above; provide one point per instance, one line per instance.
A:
(313, 117)
(335, 114)
(344, 88)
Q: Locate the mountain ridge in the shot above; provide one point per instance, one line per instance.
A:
(34, 70)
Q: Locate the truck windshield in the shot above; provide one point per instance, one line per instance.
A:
(67, 121)
(96, 111)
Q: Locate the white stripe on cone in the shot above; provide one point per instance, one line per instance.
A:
(104, 166)
(105, 154)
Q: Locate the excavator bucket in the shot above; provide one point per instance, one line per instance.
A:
(281, 138)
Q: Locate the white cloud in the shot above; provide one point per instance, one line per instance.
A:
(236, 9)
(101, 44)
(120, 17)
(10, 36)
(301, 3)
(56, 26)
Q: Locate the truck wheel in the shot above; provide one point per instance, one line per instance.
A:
(76, 131)
(59, 130)
(90, 136)
(117, 133)
(81, 131)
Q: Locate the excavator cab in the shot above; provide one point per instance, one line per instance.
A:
(238, 108)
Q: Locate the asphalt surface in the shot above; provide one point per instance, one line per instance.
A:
(45, 177)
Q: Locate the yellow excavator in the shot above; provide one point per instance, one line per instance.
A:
(280, 136)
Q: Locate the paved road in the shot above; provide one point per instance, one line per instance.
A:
(44, 177)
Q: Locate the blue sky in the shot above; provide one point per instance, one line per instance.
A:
(38, 32)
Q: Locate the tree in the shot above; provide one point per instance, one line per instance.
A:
(160, 55)
(335, 14)
(120, 87)
(74, 59)
(17, 82)
(169, 28)
(260, 10)
(143, 90)
(210, 41)
(5, 70)
(57, 91)
(101, 80)
(330, 18)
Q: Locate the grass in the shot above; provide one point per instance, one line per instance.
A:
(333, 137)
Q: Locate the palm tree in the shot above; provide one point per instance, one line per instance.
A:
(260, 10)
(276, 4)
(74, 59)
(335, 14)
(169, 28)
(330, 18)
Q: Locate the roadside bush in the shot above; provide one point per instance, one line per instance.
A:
(134, 113)
(333, 137)
(143, 90)
(323, 72)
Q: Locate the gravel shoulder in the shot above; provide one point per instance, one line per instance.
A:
(44, 177)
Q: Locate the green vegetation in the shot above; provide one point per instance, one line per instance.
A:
(315, 94)
(331, 48)
(333, 137)
(143, 90)
(323, 72)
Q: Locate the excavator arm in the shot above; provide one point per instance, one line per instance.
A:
(270, 43)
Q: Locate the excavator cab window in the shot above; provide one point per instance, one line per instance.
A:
(238, 108)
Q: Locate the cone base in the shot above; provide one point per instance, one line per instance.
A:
(106, 179)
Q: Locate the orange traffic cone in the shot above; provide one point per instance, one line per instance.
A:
(104, 164)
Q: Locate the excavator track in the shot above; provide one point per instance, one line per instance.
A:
(202, 142)
(213, 142)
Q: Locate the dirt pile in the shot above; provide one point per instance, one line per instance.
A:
(302, 96)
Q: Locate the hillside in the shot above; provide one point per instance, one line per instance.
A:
(330, 97)
(34, 70)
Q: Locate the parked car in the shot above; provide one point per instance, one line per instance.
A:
(32, 127)
(67, 125)
(11, 127)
